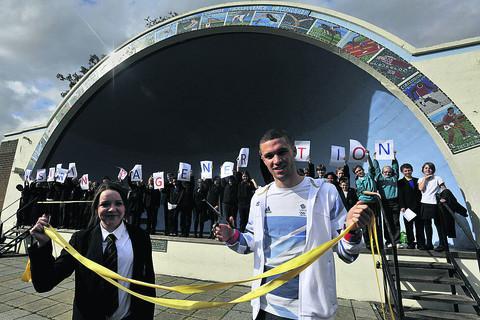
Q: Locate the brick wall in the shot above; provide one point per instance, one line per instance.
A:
(7, 154)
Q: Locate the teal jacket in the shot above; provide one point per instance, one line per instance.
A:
(387, 186)
(366, 183)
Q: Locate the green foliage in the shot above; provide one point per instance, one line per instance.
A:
(73, 78)
(150, 22)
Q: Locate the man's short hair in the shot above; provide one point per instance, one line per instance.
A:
(277, 134)
(321, 167)
(406, 166)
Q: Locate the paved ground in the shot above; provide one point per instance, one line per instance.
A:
(18, 300)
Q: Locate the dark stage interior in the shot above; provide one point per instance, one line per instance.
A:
(205, 98)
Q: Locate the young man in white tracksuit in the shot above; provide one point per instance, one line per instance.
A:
(288, 217)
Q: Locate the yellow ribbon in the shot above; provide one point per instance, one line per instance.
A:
(373, 237)
(287, 271)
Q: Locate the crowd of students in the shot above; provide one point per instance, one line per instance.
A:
(202, 201)
(209, 200)
(422, 197)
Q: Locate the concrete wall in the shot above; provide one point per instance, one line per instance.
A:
(27, 141)
(457, 72)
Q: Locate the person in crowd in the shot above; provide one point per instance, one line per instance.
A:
(87, 195)
(409, 197)
(53, 210)
(76, 208)
(431, 184)
(246, 189)
(309, 170)
(135, 200)
(200, 209)
(321, 171)
(215, 192)
(283, 218)
(331, 177)
(175, 198)
(166, 196)
(341, 172)
(186, 207)
(39, 193)
(106, 179)
(229, 199)
(109, 241)
(386, 180)
(24, 212)
(448, 201)
(151, 200)
(65, 190)
(367, 191)
(349, 194)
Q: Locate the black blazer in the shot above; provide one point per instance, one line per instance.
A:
(408, 197)
(351, 199)
(47, 272)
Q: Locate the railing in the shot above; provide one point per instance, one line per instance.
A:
(20, 209)
(393, 282)
(467, 287)
(9, 207)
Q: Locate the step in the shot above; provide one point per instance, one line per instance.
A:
(434, 314)
(431, 279)
(423, 265)
(438, 297)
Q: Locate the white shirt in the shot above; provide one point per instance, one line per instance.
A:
(124, 267)
(432, 187)
(284, 239)
(325, 215)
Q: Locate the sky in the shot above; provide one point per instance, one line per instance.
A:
(39, 39)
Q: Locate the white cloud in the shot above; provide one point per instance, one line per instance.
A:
(42, 38)
(19, 88)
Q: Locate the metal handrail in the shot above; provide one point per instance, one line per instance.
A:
(451, 259)
(20, 209)
(9, 205)
(393, 283)
(465, 231)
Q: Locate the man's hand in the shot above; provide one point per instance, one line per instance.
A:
(224, 232)
(359, 215)
(38, 232)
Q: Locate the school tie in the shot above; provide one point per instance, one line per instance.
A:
(110, 262)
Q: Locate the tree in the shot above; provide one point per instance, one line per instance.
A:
(150, 22)
(73, 78)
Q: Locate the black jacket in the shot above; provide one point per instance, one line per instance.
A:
(409, 197)
(151, 198)
(351, 199)
(47, 272)
(454, 206)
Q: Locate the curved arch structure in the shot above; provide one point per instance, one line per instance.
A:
(417, 77)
